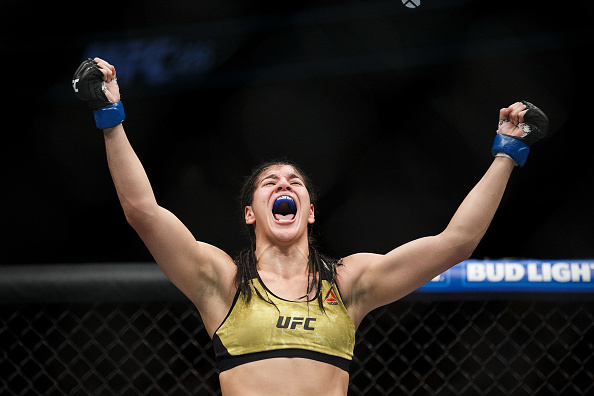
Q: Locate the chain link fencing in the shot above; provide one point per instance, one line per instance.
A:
(151, 342)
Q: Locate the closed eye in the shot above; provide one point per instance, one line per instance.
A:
(271, 180)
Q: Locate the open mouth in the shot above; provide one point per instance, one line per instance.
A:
(284, 208)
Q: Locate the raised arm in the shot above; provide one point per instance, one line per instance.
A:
(370, 280)
(202, 272)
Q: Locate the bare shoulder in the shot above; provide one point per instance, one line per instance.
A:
(350, 277)
(214, 288)
(352, 265)
(218, 258)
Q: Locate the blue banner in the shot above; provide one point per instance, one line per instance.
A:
(518, 276)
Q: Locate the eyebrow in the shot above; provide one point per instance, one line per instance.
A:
(276, 176)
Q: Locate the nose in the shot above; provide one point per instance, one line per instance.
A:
(283, 184)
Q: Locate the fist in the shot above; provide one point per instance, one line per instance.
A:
(523, 121)
(95, 83)
(112, 90)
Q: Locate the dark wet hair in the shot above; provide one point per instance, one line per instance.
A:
(320, 267)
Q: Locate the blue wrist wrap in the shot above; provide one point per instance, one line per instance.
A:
(109, 116)
(515, 148)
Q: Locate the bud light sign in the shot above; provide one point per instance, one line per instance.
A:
(515, 276)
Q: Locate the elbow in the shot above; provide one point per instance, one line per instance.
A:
(462, 252)
(461, 247)
(139, 214)
(465, 254)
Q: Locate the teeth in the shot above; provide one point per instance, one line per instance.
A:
(288, 217)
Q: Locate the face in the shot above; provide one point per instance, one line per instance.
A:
(281, 207)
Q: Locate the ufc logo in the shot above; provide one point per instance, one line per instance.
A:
(292, 323)
(74, 84)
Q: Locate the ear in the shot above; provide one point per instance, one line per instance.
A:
(312, 218)
(248, 213)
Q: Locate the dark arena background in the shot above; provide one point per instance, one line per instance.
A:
(391, 107)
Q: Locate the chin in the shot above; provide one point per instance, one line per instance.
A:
(288, 234)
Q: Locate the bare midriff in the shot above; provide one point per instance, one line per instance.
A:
(284, 376)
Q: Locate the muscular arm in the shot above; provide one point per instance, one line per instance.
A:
(368, 281)
(199, 270)
(202, 272)
(376, 280)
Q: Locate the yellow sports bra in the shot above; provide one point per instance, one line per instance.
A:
(261, 330)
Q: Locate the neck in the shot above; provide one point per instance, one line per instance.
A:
(285, 261)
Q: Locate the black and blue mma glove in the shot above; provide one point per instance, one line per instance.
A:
(535, 127)
(89, 86)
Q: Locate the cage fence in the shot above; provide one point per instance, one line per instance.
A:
(154, 343)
